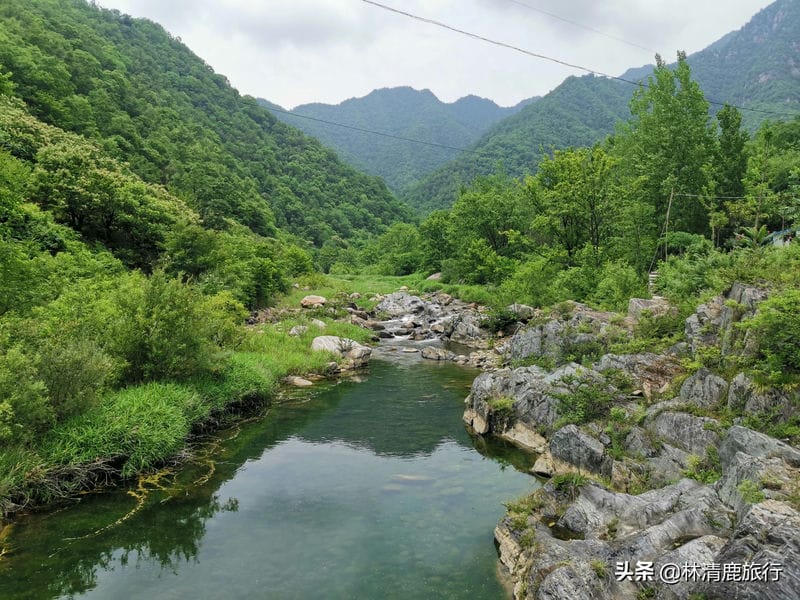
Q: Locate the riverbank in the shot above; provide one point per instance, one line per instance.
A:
(141, 427)
(668, 448)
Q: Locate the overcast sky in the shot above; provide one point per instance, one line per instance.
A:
(298, 51)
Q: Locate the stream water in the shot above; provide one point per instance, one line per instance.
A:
(369, 489)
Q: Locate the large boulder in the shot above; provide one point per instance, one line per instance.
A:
(356, 355)
(754, 443)
(466, 329)
(744, 396)
(399, 304)
(535, 392)
(769, 534)
(690, 433)
(712, 323)
(703, 389)
(655, 306)
(313, 301)
(574, 447)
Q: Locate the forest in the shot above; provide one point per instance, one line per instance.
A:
(674, 188)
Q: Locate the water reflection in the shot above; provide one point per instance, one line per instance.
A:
(363, 488)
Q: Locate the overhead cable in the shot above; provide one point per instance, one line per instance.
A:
(550, 58)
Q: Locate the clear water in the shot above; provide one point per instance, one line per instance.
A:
(367, 489)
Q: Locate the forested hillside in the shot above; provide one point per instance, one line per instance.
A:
(580, 111)
(403, 112)
(755, 67)
(145, 210)
(146, 99)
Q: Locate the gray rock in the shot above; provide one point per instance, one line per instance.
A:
(753, 443)
(569, 444)
(686, 431)
(467, 330)
(699, 551)
(668, 465)
(639, 443)
(355, 354)
(313, 301)
(649, 372)
(744, 396)
(703, 389)
(543, 340)
(433, 353)
(768, 533)
(400, 303)
(522, 311)
(534, 390)
(656, 306)
(298, 330)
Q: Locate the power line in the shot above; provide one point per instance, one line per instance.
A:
(582, 26)
(363, 130)
(549, 58)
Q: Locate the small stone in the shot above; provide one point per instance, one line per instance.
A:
(318, 323)
(298, 381)
(298, 330)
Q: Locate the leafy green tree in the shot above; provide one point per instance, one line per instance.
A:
(669, 143)
(577, 201)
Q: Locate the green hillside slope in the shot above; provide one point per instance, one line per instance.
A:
(403, 112)
(151, 102)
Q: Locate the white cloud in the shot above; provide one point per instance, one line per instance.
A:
(298, 51)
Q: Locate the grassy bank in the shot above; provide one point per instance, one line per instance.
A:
(135, 429)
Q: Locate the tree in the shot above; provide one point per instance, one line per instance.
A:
(669, 143)
(576, 204)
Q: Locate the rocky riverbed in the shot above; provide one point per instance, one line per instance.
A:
(648, 457)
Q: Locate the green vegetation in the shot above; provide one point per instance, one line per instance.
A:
(586, 400)
(403, 112)
(503, 407)
(578, 112)
(569, 484)
(705, 469)
(140, 200)
(751, 67)
(146, 99)
(750, 492)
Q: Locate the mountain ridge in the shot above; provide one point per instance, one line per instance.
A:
(398, 111)
(753, 67)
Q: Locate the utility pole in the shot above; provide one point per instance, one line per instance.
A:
(666, 223)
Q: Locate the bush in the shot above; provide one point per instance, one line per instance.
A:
(584, 402)
(76, 373)
(777, 330)
(618, 283)
(24, 407)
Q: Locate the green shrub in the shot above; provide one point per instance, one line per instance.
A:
(618, 283)
(585, 401)
(24, 407)
(777, 330)
(750, 492)
(503, 406)
(707, 469)
(76, 373)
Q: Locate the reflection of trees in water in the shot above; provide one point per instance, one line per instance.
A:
(171, 523)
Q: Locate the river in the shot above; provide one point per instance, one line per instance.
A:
(357, 489)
